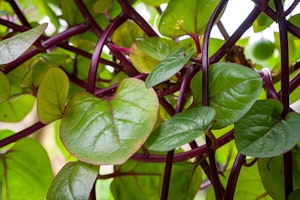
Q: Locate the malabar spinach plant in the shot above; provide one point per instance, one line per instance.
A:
(177, 113)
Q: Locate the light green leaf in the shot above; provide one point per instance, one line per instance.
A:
(155, 2)
(16, 108)
(249, 185)
(156, 47)
(52, 95)
(184, 17)
(74, 181)
(233, 89)
(181, 129)
(262, 133)
(109, 131)
(145, 181)
(25, 168)
(12, 48)
(168, 67)
(4, 87)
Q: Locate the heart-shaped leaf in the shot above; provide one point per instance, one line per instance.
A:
(4, 87)
(26, 169)
(52, 95)
(184, 17)
(109, 131)
(262, 133)
(181, 129)
(233, 89)
(12, 48)
(74, 181)
(168, 67)
(16, 108)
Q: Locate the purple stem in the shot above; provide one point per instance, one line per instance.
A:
(268, 84)
(282, 23)
(21, 134)
(46, 44)
(88, 17)
(292, 7)
(233, 177)
(179, 106)
(136, 17)
(19, 13)
(218, 188)
(98, 50)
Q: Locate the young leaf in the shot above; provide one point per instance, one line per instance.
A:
(262, 133)
(181, 129)
(168, 67)
(25, 168)
(4, 87)
(183, 17)
(156, 47)
(52, 95)
(16, 108)
(12, 48)
(233, 89)
(109, 131)
(74, 181)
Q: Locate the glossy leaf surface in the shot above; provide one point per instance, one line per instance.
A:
(109, 131)
(16, 108)
(262, 133)
(145, 180)
(26, 169)
(74, 181)
(12, 48)
(4, 87)
(168, 67)
(181, 129)
(52, 95)
(184, 17)
(233, 89)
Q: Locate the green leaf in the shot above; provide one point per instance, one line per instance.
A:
(141, 61)
(168, 67)
(102, 6)
(145, 181)
(184, 17)
(155, 2)
(127, 33)
(262, 133)
(26, 169)
(16, 108)
(233, 89)
(272, 174)
(4, 134)
(12, 48)
(4, 87)
(249, 185)
(181, 129)
(109, 131)
(74, 181)
(294, 195)
(52, 95)
(156, 47)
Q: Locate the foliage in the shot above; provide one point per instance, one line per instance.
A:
(160, 101)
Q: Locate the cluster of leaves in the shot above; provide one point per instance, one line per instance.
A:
(164, 109)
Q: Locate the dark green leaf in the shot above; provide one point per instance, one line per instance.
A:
(184, 17)
(26, 169)
(294, 195)
(12, 48)
(74, 181)
(181, 129)
(168, 67)
(52, 95)
(233, 89)
(145, 180)
(4, 87)
(109, 131)
(16, 108)
(262, 132)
